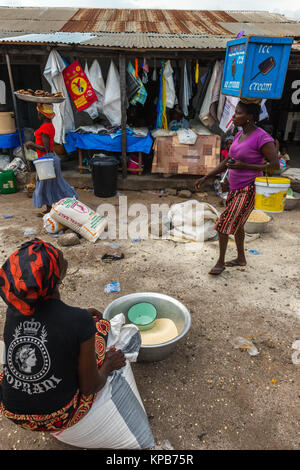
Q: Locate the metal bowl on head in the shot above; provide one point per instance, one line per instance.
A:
(166, 307)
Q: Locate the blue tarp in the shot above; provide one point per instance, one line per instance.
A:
(75, 140)
(9, 141)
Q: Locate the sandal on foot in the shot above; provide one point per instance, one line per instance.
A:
(233, 263)
(216, 271)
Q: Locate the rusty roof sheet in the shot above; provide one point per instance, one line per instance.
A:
(148, 21)
(216, 23)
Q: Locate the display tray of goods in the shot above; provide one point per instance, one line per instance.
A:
(39, 96)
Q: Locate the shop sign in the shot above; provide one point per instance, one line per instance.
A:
(255, 67)
(79, 87)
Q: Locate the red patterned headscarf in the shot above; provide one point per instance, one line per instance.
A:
(29, 276)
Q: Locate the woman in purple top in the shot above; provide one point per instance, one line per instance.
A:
(253, 151)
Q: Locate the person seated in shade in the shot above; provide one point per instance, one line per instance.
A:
(178, 121)
(284, 153)
(225, 151)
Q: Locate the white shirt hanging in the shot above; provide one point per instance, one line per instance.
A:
(187, 92)
(171, 99)
(112, 97)
(94, 74)
(64, 117)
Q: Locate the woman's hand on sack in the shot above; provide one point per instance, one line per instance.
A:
(95, 312)
(237, 165)
(114, 359)
(199, 182)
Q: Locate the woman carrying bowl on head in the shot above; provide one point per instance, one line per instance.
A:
(49, 191)
(252, 146)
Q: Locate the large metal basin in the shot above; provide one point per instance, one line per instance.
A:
(167, 307)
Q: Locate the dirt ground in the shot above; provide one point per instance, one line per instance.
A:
(206, 395)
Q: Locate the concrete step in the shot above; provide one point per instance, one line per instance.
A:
(139, 182)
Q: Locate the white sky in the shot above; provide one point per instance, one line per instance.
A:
(292, 11)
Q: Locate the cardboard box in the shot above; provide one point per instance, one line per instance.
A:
(172, 157)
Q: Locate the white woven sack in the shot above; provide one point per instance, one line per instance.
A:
(117, 419)
(193, 220)
(51, 225)
(80, 218)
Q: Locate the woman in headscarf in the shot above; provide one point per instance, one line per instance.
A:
(49, 191)
(56, 359)
(253, 151)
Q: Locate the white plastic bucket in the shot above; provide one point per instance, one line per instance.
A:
(45, 168)
(270, 193)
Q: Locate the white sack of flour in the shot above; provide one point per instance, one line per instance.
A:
(80, 218)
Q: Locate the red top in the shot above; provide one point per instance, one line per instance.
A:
(224, 154)
(48, 129)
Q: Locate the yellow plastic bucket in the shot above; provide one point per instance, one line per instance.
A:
(270, 193)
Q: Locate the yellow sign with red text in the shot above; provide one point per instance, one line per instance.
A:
(78, 86)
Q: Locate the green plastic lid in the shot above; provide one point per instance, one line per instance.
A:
(142, 313)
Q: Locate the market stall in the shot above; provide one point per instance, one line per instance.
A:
(107, 142)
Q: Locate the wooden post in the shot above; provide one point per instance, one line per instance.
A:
(16, 108)
(122, 67)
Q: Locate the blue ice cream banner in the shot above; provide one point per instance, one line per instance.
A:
(256, 66)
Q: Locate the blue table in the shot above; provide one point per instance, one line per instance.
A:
(77, 141)
(9, 141)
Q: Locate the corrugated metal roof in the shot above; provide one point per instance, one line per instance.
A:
(156, 41)
(272, 29)
(258, 17)
(56, 38)
(31, 26)
(111, 20)
(139, 29)
(148, 21)
(122, 40)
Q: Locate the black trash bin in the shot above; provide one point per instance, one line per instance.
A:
(104, 173)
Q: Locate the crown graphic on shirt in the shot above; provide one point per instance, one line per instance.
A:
(31, 327)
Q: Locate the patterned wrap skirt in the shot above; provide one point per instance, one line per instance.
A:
(73, 411)
(47, 192)
(239, 205)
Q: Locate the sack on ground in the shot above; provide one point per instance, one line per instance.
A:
(51, 225)
(193, 220)
(80, 218)
(117, 419)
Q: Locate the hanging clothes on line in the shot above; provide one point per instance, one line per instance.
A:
(204, 115)
(197, 72)
(94, 74)
(63, 120)
(138, 91)
(154, 73)
(161, 121)
(136, 67)
(187, 91)
(171, 99)
(202, 87)
(216, 92)
(112, 98)
(145, 71)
